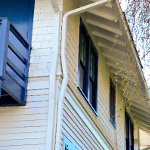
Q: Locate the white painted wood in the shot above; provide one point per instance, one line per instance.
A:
(22, 124)
(82, 130)
(18, 136)
(55, 5)
(87, 7)
(124, 65)
(142, 119)
(112, 39)
(24, 117)
(104, 26)
(112, 49)
(38, 85)
(37, 104)
(113, 58)
(72, 132)
(72, 137)
(123, 72)
(23, 111)
(51, 127)
(37, 92)
(139, 105)
(25, 127)
(80, 141)
(23, 130)
(79, 111)
(140, 112)
(144, 127)
(25, 147)
(77, 121)
(115, 66)
(21, 142)
(120, 74)
(102, 14)
(108, 4)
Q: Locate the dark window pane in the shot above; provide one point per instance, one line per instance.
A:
(129, 133)
(81, 77)
(112, 102)
(112, 105)
(91, 92)
(92, 65)
(83, 49)
(130, 137)
(87, 67)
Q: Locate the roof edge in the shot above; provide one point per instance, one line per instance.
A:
(122, 17)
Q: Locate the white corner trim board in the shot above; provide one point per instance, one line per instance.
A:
(50, 140)
(89, 123)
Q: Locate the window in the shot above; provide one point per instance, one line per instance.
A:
(112, 102)
(129, 133)
(87, 75)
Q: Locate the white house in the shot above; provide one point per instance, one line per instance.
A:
(85, 87)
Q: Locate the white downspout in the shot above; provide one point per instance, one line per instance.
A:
(64, 66)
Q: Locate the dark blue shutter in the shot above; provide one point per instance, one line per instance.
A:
(15, 48)
(14, 64)
(20, 13)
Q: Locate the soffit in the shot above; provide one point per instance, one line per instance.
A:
(112, 38)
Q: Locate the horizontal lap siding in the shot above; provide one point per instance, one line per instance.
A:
(114, 136)
(25, 127)
(103, 103)
(76, 130)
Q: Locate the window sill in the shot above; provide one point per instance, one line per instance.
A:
(83, 95)
(113, 124)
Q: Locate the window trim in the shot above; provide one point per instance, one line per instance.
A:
(111, 84)
(83, 29)
(85, 98)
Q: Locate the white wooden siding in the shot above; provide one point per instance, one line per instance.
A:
(74, 127)
(25, 127)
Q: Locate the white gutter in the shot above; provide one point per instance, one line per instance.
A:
(64, 66)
